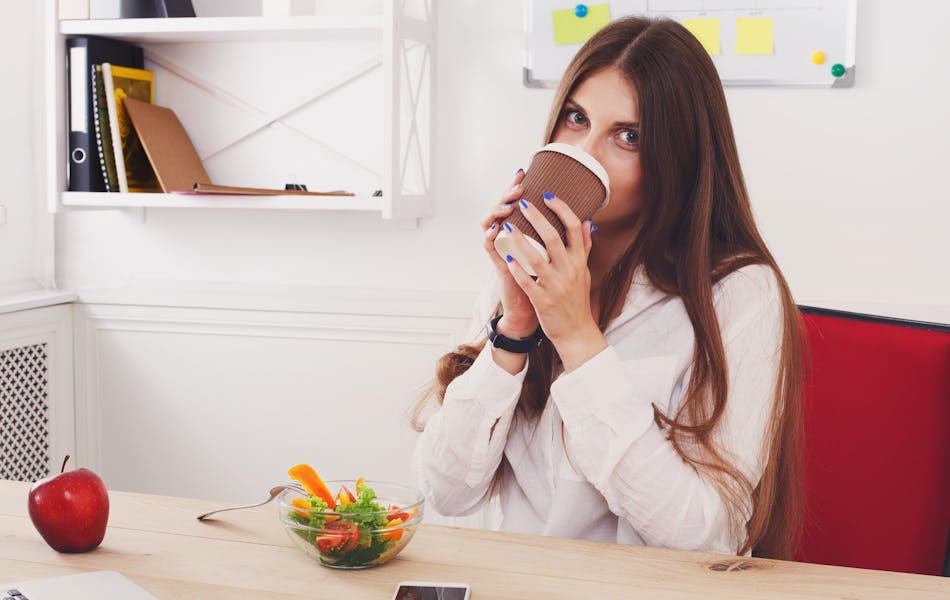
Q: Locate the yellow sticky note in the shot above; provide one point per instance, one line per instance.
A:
(571, 29)
(706, 31)
(754, 35)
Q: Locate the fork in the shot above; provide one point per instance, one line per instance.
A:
(273, 494)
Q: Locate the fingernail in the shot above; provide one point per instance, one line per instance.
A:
(508, 258)
(507, 226)
(548, 196)
(523, 203)
(593, 228)
(519, 171)
(493, 225)
(507, 205)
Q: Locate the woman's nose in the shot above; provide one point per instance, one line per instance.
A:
(589, 145)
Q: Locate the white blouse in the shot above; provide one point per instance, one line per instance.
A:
(619, 478)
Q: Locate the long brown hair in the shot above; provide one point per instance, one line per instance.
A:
(694, 228)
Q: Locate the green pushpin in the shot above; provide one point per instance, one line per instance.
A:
(837, 70)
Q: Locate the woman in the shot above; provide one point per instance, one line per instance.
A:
(661, 406)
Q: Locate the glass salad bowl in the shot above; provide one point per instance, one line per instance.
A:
(369, 524)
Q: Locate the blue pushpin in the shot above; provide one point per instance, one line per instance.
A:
(580, 11)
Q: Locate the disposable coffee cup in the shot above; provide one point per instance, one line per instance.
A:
(569, 173)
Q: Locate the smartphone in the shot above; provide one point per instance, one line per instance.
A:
(429, 590)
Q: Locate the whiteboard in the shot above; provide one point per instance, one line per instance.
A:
(800, 28)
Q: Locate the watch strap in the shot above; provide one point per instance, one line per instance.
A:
(518, 346)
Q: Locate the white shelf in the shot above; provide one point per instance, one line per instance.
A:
(401, 46)
(292, 202)
(230, 29)
(34, 299)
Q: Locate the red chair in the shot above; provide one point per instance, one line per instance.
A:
(877, 443)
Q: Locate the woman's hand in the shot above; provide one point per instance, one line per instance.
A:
(519, 319)
(561, 294)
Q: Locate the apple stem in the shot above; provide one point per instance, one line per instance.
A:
(63, 469)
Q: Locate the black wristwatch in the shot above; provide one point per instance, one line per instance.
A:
(521, 346)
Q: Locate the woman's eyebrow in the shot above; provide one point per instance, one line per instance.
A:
(630, 124)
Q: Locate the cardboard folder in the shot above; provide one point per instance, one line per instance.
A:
(175, 160)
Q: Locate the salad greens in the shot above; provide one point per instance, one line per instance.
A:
(368, 513)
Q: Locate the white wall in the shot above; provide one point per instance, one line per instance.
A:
(219, 403)
(848, 184)
(25, 232)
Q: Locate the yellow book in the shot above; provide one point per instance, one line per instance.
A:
(133, 170)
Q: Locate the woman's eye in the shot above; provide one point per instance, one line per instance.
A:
(575, 118)
(629, 137)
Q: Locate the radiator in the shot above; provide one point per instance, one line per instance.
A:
(24, 413)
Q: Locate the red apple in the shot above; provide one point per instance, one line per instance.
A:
(70, 510)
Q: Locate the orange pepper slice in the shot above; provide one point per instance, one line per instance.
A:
(392, 530)
(301, 503)
(312, 483)
(359, 485)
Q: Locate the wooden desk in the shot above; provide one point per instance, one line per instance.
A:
(156, 542)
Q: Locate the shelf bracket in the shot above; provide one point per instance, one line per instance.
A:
(407, 223)
(265, 119)
(136, 215)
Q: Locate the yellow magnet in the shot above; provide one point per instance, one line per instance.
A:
(818, 57)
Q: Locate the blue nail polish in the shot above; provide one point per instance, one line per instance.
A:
(523, 203)
(548, 196)
(593, 228)
(507, 205)
(493, 225)
(519, 171)
(508, 227)
(508, 258)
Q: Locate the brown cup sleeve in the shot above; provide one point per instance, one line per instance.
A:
(566, 178)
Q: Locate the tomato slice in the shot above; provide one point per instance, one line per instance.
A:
(338, 537)
(395, 513)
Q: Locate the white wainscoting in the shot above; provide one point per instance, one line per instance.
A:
(32, 339)
(211, 402)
